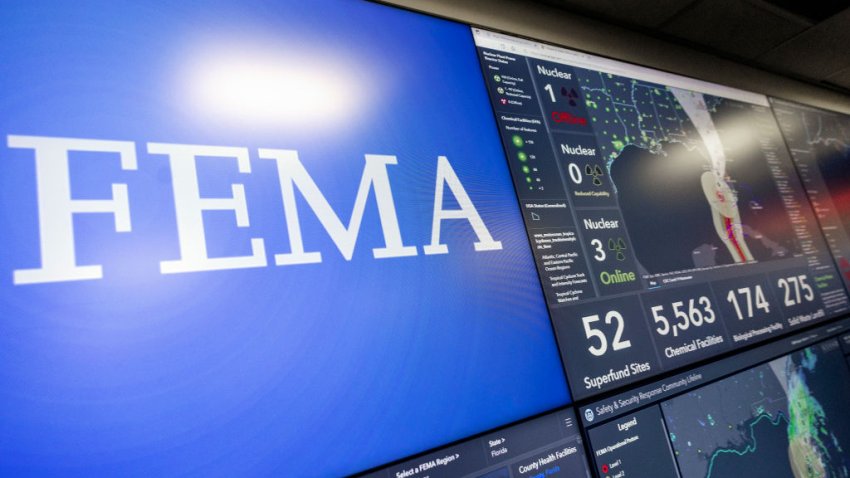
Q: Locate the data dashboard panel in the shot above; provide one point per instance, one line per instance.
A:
(819, 141)
(667, 220)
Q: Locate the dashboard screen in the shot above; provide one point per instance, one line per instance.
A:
(819, 141)
(666, 217)
(255, 239)
(774, 411)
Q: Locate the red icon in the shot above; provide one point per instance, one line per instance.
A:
(504, 101)
(604, 468)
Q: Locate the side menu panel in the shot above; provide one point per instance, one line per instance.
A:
(667, 220)
(819, 141)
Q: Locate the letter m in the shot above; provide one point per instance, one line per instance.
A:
(292, 174)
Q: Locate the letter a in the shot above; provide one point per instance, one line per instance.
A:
(446, 175)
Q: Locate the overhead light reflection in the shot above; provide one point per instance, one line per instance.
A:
(268, 89)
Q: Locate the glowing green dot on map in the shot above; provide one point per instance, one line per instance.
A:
(525, 169)
(522, 156)
(517, 140)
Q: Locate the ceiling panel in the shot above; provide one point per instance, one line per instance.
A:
(736, 27)
(632, 12)
(808, 40)
(814, 10)
(816, 53)
(841, 78)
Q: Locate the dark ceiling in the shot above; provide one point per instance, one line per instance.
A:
(804, 39)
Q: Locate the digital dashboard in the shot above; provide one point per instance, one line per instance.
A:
(818, 140)
(666, 218)
(341, 237)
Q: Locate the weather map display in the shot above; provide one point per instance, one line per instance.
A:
(778, 410)
(666, 217)
(793, 406)
(819, 141)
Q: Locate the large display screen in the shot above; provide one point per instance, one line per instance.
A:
(819, 141)
(257, 239)
(775, 411)
(248, 238)
(667, 221)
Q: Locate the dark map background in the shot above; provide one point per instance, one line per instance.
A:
(656, 158)
(741, 423)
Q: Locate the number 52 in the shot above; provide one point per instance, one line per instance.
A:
(617, 344)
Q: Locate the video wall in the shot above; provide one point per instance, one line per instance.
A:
(339, 237)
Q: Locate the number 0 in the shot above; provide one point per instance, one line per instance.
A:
(575, 172)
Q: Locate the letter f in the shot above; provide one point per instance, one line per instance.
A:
(56, 209)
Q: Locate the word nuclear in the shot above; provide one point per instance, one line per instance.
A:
(56, 208)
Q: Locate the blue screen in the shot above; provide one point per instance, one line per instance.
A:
(222, 252)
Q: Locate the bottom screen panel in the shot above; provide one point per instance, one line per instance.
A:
(783, 418)
(769, 412)
(546, 447)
